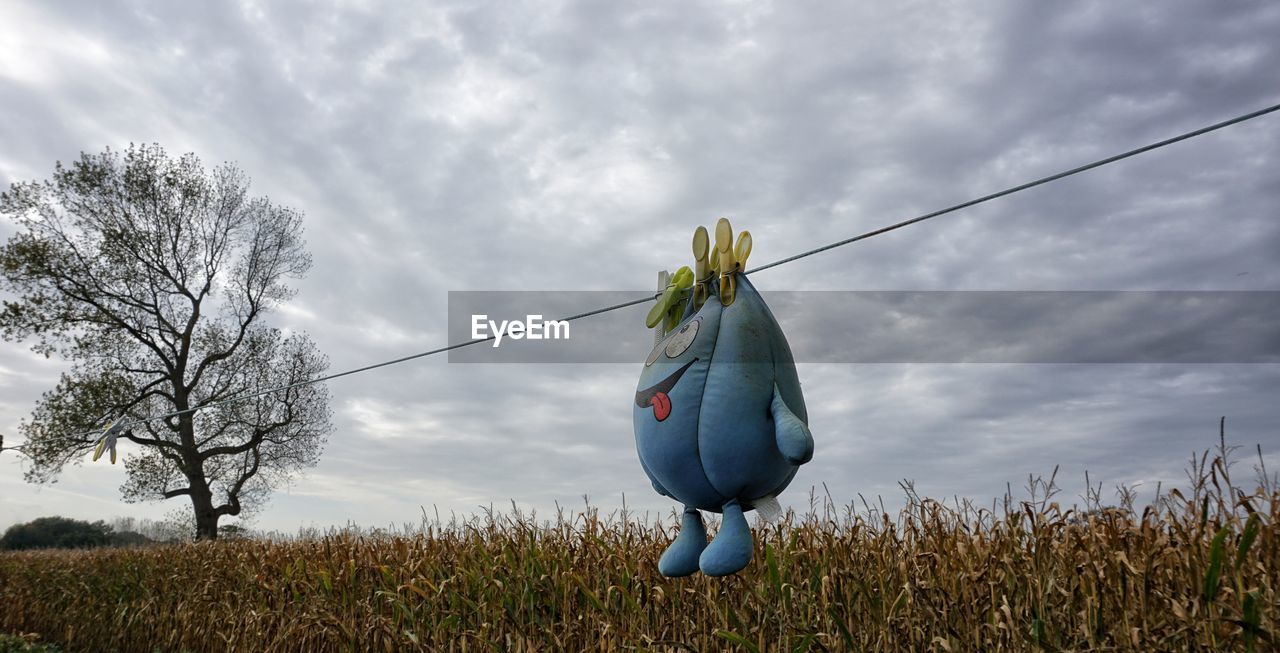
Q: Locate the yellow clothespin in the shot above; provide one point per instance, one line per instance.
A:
(108, 440)
(724, 260)
(730, 258)
(742, 250)
(701, 266)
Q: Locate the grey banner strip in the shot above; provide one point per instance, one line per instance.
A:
(904, 326)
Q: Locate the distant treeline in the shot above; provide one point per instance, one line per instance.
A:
(65, 533)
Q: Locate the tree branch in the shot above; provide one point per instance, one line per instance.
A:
(152, 442)
(232, 507)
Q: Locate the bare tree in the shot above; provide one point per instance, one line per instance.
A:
(152, 275)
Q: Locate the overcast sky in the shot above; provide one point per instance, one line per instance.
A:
(440, 147)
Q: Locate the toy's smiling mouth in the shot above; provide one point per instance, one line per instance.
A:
(656, 396)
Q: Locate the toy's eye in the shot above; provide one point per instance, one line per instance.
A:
(682, 339)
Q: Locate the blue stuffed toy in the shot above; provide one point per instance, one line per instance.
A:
(719, 419)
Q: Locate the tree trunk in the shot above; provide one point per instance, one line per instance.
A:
(201, 495)
(206, 516)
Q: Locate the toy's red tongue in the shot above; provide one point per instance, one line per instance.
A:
(661, 404)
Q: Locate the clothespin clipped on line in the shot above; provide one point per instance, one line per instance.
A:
(704, 267)
(660, 332)
(730, 258)
(108, 439)
(723, 261)
(670, 306)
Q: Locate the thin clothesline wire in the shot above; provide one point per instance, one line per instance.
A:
(840, 243)
(366, 368)
(1031, 184)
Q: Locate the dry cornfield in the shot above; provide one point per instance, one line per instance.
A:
(1196, 570)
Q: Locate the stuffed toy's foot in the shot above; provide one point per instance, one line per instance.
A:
(731, 550)
(681, 558)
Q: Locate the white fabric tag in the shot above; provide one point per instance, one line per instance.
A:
(768, 508)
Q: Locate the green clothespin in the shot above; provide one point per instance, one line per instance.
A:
(670, 306)
(108, 439)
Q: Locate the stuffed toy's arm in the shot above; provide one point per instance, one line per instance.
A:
(794, 439)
